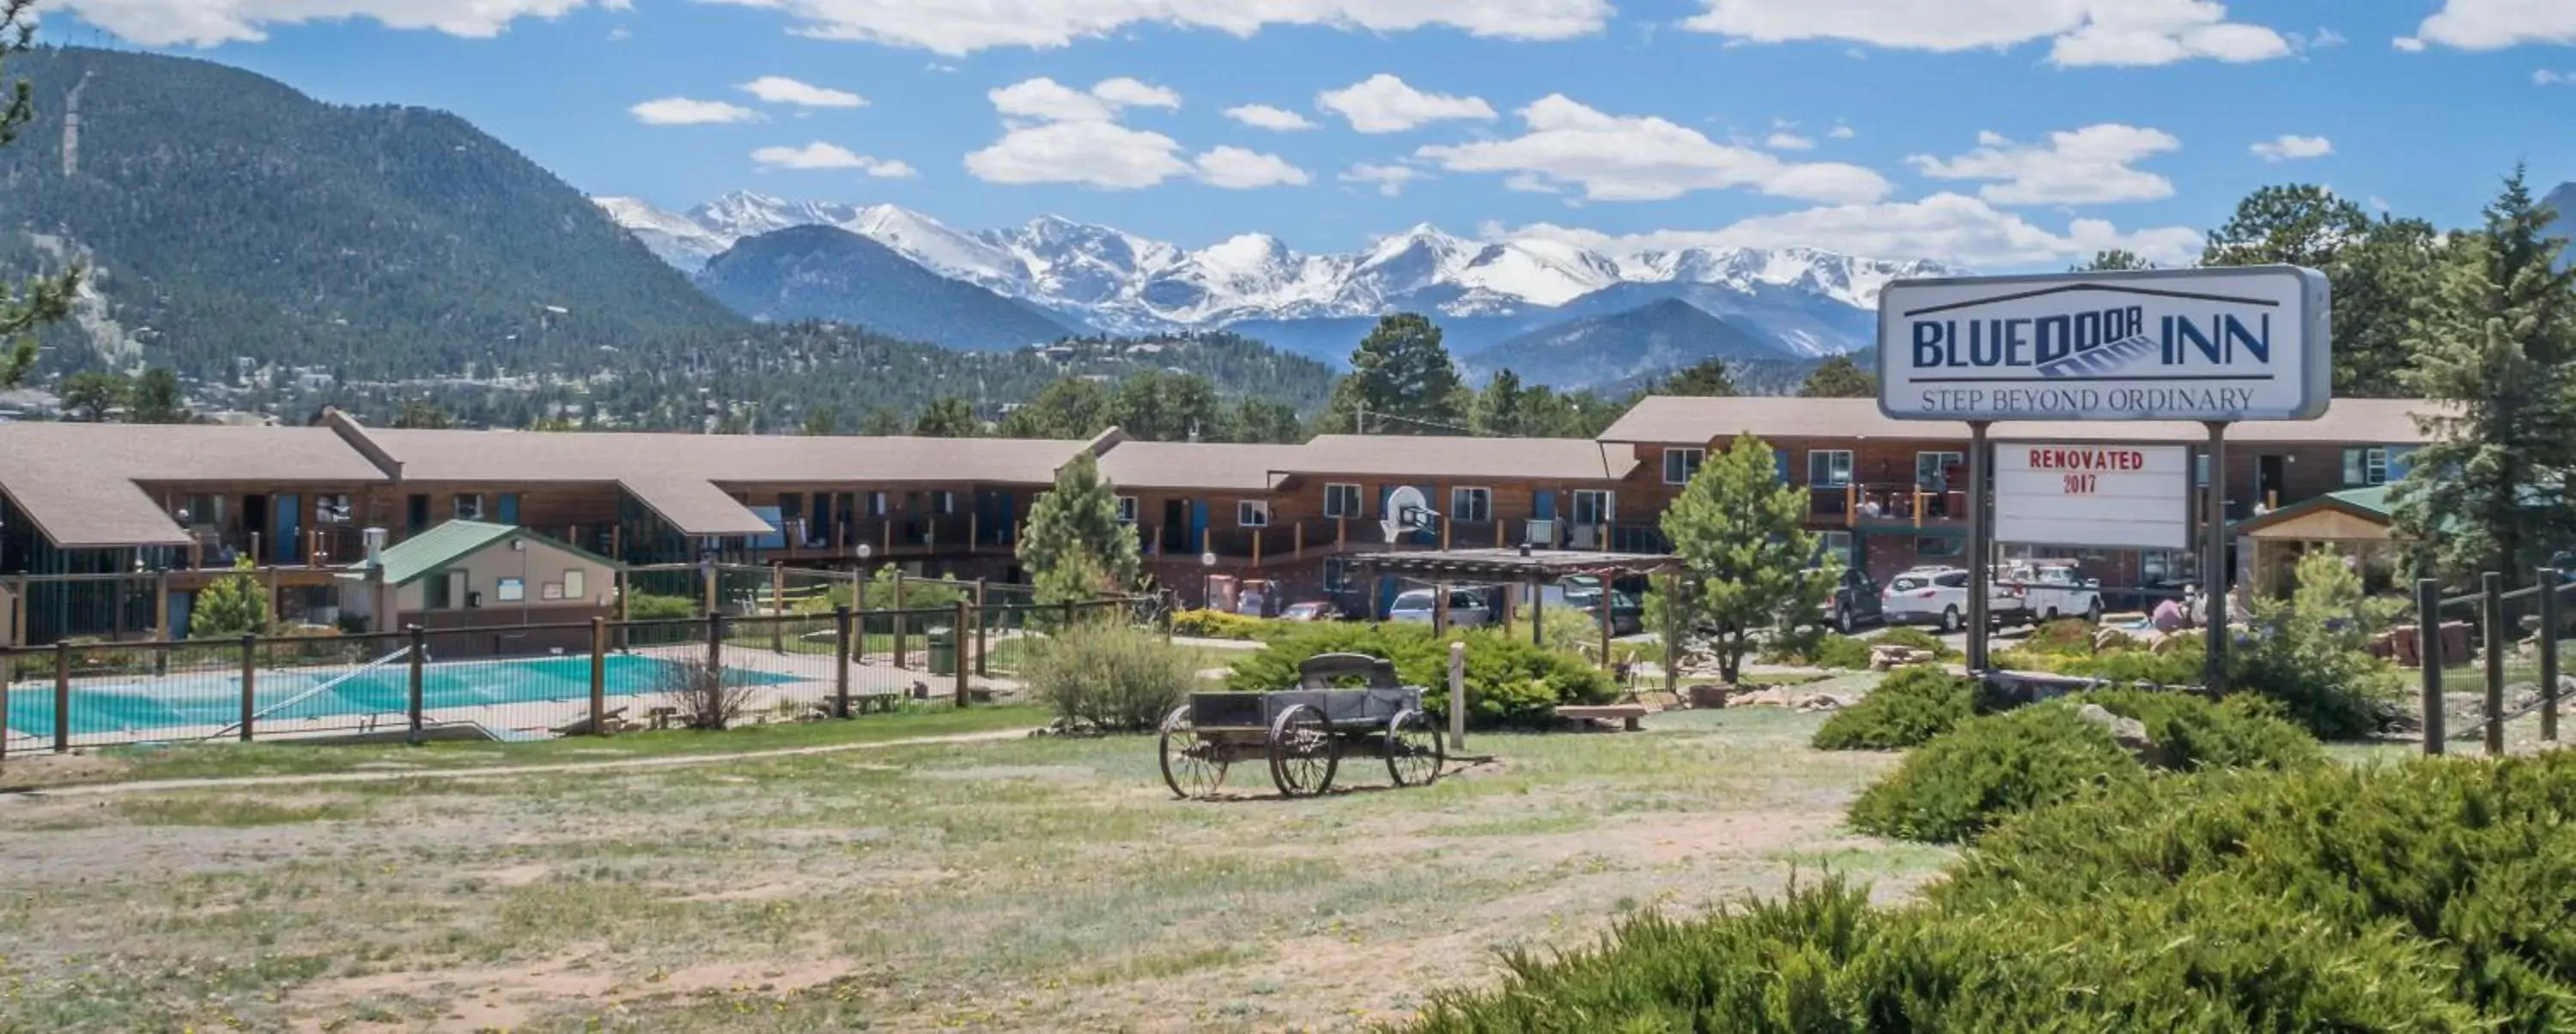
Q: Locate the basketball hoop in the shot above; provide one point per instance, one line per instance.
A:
(1407, 511)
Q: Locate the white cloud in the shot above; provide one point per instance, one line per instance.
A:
(1390, 179)
(2081, 32)
(2408, 44)
(1263, 116)
(2495, 24)
(1093, 153)
(1616, 158)
(955, 28)
(779, 89)
(2547, 77)
(1842, 133)
(1047, 100)
(2288, 147)
(682, 111)
(1789, 142)
(1528, 183)
(2076, 167)
(1383, 103)
(819, 155)
(1235, 168)
(1953, 228)
(205, 23)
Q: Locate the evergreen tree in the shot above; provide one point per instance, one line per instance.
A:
(24, 307)
(1502, 409)
(2114, 260)
(423, 414)
(881, 423)
(1155, 406)
(1071, 407)
(158, 400)
(1401, 380)
(92, 396)
(1263, 420)
(2379, 283)
(1075, 547)
(1705, 379)
(233, 605)
(2498, 342)
(1839, 378)
(822, 423)
(2296, 224)
(1740, 534)
(947, 417)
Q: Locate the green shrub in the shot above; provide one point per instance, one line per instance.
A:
(1509, 681)
(2192, 733)
(1217, 624)
(645, 606)
(1108, 676)
(1960, 783)
(2179, 664)
(2063, 636)
(1817, 648)
(1908, 708)
(1916, 639)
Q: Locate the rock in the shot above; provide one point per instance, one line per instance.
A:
(1820, 702)
(1709, 694)
(1885, 658)
(1772, 697)
(2106, 640)
(2129, 733)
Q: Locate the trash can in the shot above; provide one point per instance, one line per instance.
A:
(943, 651)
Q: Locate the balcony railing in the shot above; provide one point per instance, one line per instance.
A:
(1886, 504)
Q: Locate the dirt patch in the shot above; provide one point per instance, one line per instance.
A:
(587, 982)
(23, 771)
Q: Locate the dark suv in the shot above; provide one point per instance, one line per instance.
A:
(1855, 602)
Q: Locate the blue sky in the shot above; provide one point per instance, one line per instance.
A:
(1997, 134)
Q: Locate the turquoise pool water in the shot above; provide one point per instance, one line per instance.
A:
(182, 701)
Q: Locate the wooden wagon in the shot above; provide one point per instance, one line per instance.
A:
(1303, 733)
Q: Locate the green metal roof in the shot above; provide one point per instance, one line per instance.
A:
(2371, 502)
(438, 547)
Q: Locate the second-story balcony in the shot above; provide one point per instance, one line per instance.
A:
(1886, 505)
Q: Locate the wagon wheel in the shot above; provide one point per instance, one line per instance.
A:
(1414, 750)
(1304, 753)
(1192, 767)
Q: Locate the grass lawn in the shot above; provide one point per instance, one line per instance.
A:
(1019, 884)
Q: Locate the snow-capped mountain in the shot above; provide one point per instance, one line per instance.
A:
(1115, 281)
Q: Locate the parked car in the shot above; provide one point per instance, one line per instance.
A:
(1312, 610)
(1627, 611)
(1939, 596)
(2052, 591)
(1467, 608)
(1856, 602)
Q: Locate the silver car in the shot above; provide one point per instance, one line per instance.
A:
(1467, 609)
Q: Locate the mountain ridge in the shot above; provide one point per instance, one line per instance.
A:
(818, 272)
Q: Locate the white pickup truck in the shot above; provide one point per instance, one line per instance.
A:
(2051, 591)
(1938, 596)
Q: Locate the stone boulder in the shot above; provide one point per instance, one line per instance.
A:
(1889, 657)
(2129, 733)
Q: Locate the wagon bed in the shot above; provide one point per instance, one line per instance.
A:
(1302, 733)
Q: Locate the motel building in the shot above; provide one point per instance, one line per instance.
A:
(108, 531)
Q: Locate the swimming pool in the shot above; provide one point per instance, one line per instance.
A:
(212, 700)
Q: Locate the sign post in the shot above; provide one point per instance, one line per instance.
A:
(2207, 346)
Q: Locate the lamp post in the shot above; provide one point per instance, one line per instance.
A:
(1207, 579)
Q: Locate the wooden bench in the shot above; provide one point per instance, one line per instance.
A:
(1627, 714)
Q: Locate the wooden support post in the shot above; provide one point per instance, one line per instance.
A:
(715, 646)
(707, 586)
(1918, 506)
(161, 609)
(249, 683)
(983, 619)
(62, 697)
(598, 676)
(617, 543)
(1606, 596)
(2551, 580)
(1498, 534)
(1297, 545)
(777, 608)
(1511, 602)
(411, 690)
(2428, 651)
(2491, 614)
(1672, 633)
(1457, 696)
(885, 530)
(1538, 618)
(957, 656)
(255, 555)
(974, 531)
(841, 653)
(1256, 549)
(1440, 609)
(1444, 534)
(18, 615)
(1341, 533)
(900, 625)
(1851, 503)
(272, 602)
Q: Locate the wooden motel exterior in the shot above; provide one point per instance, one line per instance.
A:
(156, 511)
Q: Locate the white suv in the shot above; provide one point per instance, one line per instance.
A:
(1467, 609)
(1939, 596)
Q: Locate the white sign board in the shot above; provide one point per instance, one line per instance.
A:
(2105, 496)
(2242, 343)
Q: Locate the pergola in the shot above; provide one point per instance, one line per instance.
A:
(1527, 569)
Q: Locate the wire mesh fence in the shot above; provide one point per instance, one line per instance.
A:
(520, 681)
(2505, 648)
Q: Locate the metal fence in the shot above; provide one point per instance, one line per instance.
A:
(2476, 639)
(515, 682)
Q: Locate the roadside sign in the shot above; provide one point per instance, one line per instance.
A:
(2218, 344)
(2101, 496)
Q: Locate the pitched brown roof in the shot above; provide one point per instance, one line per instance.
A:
(1213, 466)
(722, 459)
(1695, 421)
(82, 484)
(1451, 459)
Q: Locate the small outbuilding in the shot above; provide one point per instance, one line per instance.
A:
(478, 575)
(2354, 522)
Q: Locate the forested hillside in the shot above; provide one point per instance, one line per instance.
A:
(224, 214)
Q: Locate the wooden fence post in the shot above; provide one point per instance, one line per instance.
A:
(983, 618)
(2550, 581)
(598, 676)
(412, 693)
(900, 626)
(62, 698)
(2491, 588)
(841, 665)
(249, 683)
(957, 654)
(715, 646)
(1457, 696)
(2428, 652)
(777, 608)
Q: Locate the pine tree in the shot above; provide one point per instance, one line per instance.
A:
(1263, 420)
(1744, 551)
(1402, 381)
(1839, 378)
(1155, 406)
(947, 417)
(1704, 379)
(822, 423)
(2497, 341)
(2379, 283)
(2114, 260)
(2297, 224)
(233, 605)
(1071, 407)
(424, 414)
(25, 307)
(92, 396)
(157, 399)
(881, 423)
(1075, 546)
(1502, 409)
